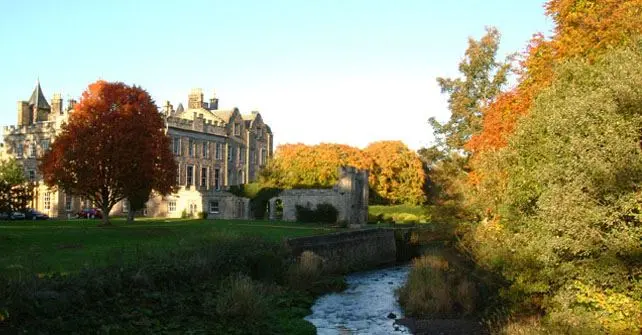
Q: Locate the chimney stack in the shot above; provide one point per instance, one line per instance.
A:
(195, 99)
(56, 105)
(214, 101)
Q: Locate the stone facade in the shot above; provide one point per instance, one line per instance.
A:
(214, 149)
(349, 196)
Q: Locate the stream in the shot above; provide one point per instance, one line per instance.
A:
(364, 307)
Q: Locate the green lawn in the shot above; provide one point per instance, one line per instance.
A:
(28, 247)
(399, 213)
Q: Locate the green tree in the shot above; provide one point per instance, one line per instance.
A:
(15, 191)
(571, 215)
(482, 80)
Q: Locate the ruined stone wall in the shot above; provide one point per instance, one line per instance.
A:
(349, 196)
(350, 251)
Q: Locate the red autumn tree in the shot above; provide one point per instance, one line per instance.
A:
(114, 145)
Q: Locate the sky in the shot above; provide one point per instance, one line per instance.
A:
(343, 71)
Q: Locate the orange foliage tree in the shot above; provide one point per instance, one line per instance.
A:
(114, 144)
(583, 28)
(303, 166)
(396, 174)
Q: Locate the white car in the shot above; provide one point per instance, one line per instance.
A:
(17, 216)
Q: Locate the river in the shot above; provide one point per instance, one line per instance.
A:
(364, 307)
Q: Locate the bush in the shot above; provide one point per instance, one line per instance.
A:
(241, 298)
(433, 289)
(306, 271)
(324, 213)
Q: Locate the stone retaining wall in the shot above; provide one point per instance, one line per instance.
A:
(350, 251)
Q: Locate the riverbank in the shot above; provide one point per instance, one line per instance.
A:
(223, 284)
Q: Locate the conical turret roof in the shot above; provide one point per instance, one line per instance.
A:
(38, 98)
(180, 108)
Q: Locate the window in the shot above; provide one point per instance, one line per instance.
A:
(189, 175)
(241, 177)
(214, 207)
(19, 150)
(230, 153)
(237, 129)
(32, 150)
(47, 200)
(241, 156)
(178, 174)
(176, 144)
(190, 148)
(171, 206)
(206, 149)
(252, 157)
(125, 206)
(203, 177)
(44, 144)
(217, 179)
(32, 175)
(259, 133)
(219, 151)
(263, 158)
(68, 199)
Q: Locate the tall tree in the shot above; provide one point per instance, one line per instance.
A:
(482, 79)
(113, 145)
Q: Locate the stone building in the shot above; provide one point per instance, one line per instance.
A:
(349, 196)
(214, 149)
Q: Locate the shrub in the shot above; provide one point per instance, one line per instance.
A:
(433, 289)
(202, 215)
(305, 271)
(239, 297)
(325, 213)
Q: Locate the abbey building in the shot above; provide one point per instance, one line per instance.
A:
(214, 149)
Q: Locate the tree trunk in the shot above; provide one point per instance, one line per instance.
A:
(105, 220)
(130, 216)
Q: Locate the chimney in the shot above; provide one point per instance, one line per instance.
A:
(168, 109)
(70, 104)
(24, 113)
(195, 99)
(214, 101)
(56, 105)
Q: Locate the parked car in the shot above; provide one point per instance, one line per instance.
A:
(5, 216)
(32, 214)
(90, 213)
(17, 216)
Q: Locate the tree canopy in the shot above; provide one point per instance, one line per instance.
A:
(113, 145)
(396, 173)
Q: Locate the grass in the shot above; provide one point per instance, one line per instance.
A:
(53, 246)
(399, 214)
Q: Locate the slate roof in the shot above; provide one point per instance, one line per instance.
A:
(38, 98)
(180, 108)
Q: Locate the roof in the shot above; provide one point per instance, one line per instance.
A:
(224, 115)
(180, 108)
(38, 98)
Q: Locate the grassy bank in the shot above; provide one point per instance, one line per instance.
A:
(398, 214)
(208, 278)
(53, 246)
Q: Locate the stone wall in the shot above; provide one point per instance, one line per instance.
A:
(349, 196)
(350, 251)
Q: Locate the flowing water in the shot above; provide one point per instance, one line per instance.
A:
(364, 307)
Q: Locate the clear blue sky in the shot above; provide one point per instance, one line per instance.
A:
(318, 71)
